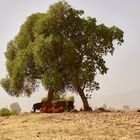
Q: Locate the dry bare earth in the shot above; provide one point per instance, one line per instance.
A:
(70, 126)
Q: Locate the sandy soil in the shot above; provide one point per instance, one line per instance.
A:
(71, 126)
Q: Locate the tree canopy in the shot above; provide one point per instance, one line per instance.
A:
(61, 49)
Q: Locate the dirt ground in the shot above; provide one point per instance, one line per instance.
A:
(71, 126)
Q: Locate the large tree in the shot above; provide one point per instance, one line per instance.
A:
(62, 50)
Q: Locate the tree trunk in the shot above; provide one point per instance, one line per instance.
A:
(84, 99)
(50, 95)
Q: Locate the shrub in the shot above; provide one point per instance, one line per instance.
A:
(5, 112)
(56, 97)
(44, 99)
(70, 98)
(59, 98)
(15, 107)
(13, 113)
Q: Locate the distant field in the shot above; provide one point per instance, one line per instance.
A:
(71, 126)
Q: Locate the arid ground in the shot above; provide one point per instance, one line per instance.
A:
(71, 126)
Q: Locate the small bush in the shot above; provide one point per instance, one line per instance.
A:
(14, 113)
(15, 107)
(70, 98)
(5, 112)
(44, 99)
(57, 98)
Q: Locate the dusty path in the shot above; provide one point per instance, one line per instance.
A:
(71, 126)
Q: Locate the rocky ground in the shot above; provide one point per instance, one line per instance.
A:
(71, 126)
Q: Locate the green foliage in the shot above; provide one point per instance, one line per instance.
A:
(70, 98)
(58, 97)
(14, 113)
(6, 112)
(60, 49)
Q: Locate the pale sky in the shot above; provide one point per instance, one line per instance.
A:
(121, 85)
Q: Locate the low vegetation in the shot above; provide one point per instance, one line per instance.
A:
(6, 112)
(58, 97)
(15, 107)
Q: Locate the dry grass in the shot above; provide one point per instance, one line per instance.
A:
(70, 126)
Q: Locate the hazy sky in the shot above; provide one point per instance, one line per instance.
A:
(121, 85)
